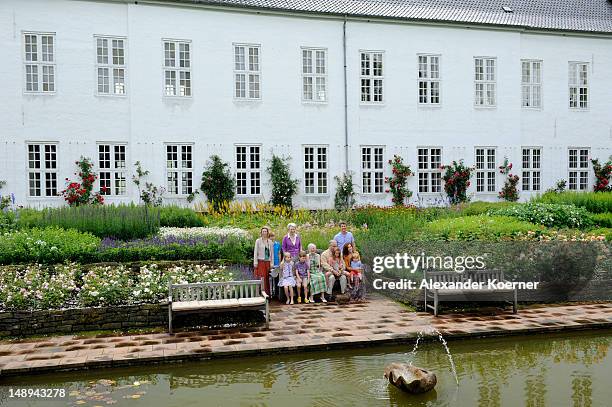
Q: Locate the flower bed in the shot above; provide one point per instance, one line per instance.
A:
(202, 232)
(37, 286)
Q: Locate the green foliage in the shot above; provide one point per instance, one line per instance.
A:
(8, 221)
(284, 187)
(178, 217)
(399, 180)
(605, 232)
(148, 193)
(558, 188)
(345, 192)
(602, 220)
(121, 222)
(480, 207)
(456, 181)
(551, 215)
(595, 202)
(478, 227)
(47, 246)
(231, 249)
(218, 184)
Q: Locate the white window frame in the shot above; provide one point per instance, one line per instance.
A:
(429, 173)
(487, 170)
(485, 81)
(314, 73)
(251, 170)
(181, 170)
(428, 77)
(250, 69)
(372, 169)
(319, 172)
(580, 172)
(38, 63)
(111, 66)
(46, 173)
(117, 181)
(531, 158)
(578, 88)
(531, 84)
(179, 68)
(367, 73)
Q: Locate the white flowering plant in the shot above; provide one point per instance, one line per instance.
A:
(36, 286)
(151, 284)
(105, 285)
(204, 232)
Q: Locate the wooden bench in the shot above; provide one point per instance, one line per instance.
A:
(227, 296)
(467, 295)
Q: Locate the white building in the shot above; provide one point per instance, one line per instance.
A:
(168, 83)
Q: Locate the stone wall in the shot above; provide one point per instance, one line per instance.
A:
(24, 323)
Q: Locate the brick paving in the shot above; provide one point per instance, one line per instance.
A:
(292, 328)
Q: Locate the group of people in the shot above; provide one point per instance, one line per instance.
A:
(309, 272)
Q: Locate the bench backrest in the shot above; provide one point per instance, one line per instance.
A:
(453, 276)
(215, 291)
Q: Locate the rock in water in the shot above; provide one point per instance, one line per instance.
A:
(410, 378)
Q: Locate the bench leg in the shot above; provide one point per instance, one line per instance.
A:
(425, 292)
(267, 315)
(169, 318)
(515, 304)
(435, 304)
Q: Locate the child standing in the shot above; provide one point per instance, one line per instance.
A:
(302, 275)
(356, 269)
(286, 279)
(317, 277)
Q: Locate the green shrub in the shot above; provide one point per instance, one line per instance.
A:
(284, 187)
(602, 220)
(551, 215)
(481, 207)
(234, 250)
(218, 183)
(595, 202)
(47, 246)
(177, 217)
(479, 227)
(8, 221)
(121, 222)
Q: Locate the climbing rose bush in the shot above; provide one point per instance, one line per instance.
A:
(81, 193)
(398, 181)
(509, 191)
(456, 181)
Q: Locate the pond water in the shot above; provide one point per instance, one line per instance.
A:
(543, 370)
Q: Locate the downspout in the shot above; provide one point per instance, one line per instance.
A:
(346, 145)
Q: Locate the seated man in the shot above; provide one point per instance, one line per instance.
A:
(333, 273)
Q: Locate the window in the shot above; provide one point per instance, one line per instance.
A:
(177, 68)
(531, 84)
(247, 72)
(531, 168)
(579, 167)
(372, 172)
(39, 62)
(315, 169)
(111, 162)
(429, 79)
(578, 85)
(179, 169)
(42, 169)
(485, 82)
(248, 170)
(314, 75)
(485, 169)
(371, 77)
(430, 175)
(110, 66)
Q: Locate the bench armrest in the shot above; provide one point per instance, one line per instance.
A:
(264, 294)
